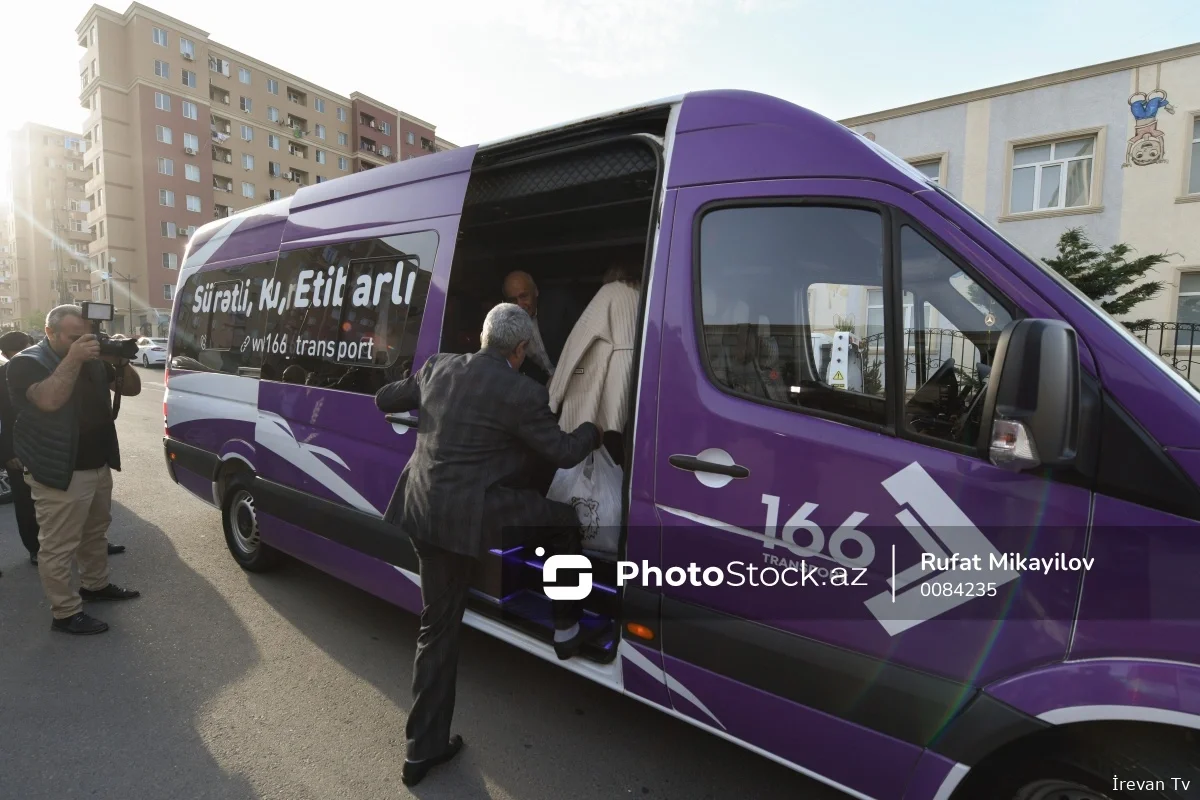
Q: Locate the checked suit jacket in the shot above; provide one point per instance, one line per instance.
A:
(481, 426)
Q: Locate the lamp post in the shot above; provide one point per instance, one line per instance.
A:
(128, 289)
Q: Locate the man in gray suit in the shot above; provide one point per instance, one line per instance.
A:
(464, 491)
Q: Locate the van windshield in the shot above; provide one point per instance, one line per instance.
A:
(1086, 301)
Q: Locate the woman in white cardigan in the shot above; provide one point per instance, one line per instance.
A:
(593, 375)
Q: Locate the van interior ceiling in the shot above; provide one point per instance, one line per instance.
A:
(563, 207)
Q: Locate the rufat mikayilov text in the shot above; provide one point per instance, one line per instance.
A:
(1011, 562)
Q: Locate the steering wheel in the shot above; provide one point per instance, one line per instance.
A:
(932, 406)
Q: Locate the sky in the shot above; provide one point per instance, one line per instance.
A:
(486, 69)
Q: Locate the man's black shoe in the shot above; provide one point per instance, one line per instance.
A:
(80, 625)
(110, 592)
(415, 771)
(571, 647)
(115, 549)
(33, 559)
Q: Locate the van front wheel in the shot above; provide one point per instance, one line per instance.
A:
(242, 535)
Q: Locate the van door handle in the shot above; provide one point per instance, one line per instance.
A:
(410, 422)
(693, 464)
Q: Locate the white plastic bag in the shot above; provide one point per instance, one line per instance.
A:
(593, 487)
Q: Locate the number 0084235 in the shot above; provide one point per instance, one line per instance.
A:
(944, 589)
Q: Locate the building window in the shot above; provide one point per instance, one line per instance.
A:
(411, 138)
(168, 291)
(386, 127)
(166, 198)
(275, 168)
(162, 69)
(319, 104)
(320, 179)
(320, 129)
(170, 261)
(247, 105)
(272, 141)
(187, 48)
(1194, 175)
(342, 163)
(193, 203)
(191, 229)
(191, 172)
(163, 134)
(162, 101)
(247, 133)
(272, 114)
(247, 189)
(272, 86)
(1052, 175)
(275, 194)
(385, 151)
(191, 141)
(168, 230)
(189, 110)
(247, 161)
(931, 169)
(189, 78)
(78, 225)
(344, 139)
(160, 37)
(1187, 310)
(218, 65)
(320, 156)
(243, 75)
(166, 166)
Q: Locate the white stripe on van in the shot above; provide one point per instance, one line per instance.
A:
(1063, 716)
(634, 657)
(210, 247)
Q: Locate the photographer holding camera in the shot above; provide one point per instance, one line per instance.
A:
(66, 440)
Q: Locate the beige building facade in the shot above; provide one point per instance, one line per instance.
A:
(45, 242)
(1113, 148)
(181, 129)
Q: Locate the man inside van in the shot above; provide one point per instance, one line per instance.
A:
(464, 491)
(66, 441)
(551, 325)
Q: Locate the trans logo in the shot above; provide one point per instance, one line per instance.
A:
(927, 513)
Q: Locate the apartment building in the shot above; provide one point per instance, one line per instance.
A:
(181, 129)
(1113, 148)
(44, 243)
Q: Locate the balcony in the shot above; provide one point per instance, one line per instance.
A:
(298, 150)
(222, 184)
(222, 155)
(218, 95)
(297, 176)
(368, 145)
(428, 144)
(299, 125)
(221, 128)
(220, 211)
(297, 97)
(368, 120)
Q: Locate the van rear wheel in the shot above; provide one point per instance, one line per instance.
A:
(242, 534)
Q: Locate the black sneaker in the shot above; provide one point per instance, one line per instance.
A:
(116, 549)
(79, 625)
(33, 559)
(110, 592)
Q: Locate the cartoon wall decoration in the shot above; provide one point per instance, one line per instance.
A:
(1148, 144)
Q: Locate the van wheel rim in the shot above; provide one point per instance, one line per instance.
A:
(1058, 790)
(244, 523)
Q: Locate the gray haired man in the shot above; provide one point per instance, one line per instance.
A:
(66, 441)
(463, 490)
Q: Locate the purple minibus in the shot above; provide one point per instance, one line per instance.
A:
(902, 509)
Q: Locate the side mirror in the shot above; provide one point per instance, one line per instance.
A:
(1031, 410)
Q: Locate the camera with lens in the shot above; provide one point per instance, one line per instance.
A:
(96, 313)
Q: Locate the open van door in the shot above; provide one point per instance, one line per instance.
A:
(359, 294)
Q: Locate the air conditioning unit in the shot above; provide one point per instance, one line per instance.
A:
(228, 159)
(188, 57)
(189, 151)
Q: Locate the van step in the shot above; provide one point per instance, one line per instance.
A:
(531, 613)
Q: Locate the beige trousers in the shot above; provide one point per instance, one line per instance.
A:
(74, 527)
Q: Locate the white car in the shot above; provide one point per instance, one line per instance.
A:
(152, 352)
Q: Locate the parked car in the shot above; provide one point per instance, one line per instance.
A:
(152, 352)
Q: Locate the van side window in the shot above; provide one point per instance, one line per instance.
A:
(350, 314)
(790, 301)
(948, 348)
(219, 312)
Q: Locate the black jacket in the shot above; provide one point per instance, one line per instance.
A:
(8, 418)
(480, 424)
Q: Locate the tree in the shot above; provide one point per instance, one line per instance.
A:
(1101, 275)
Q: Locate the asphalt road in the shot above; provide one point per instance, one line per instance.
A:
(221, 684)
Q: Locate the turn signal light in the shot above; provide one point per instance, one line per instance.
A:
(640, 631)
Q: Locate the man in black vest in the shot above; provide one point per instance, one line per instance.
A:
(66, 441)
